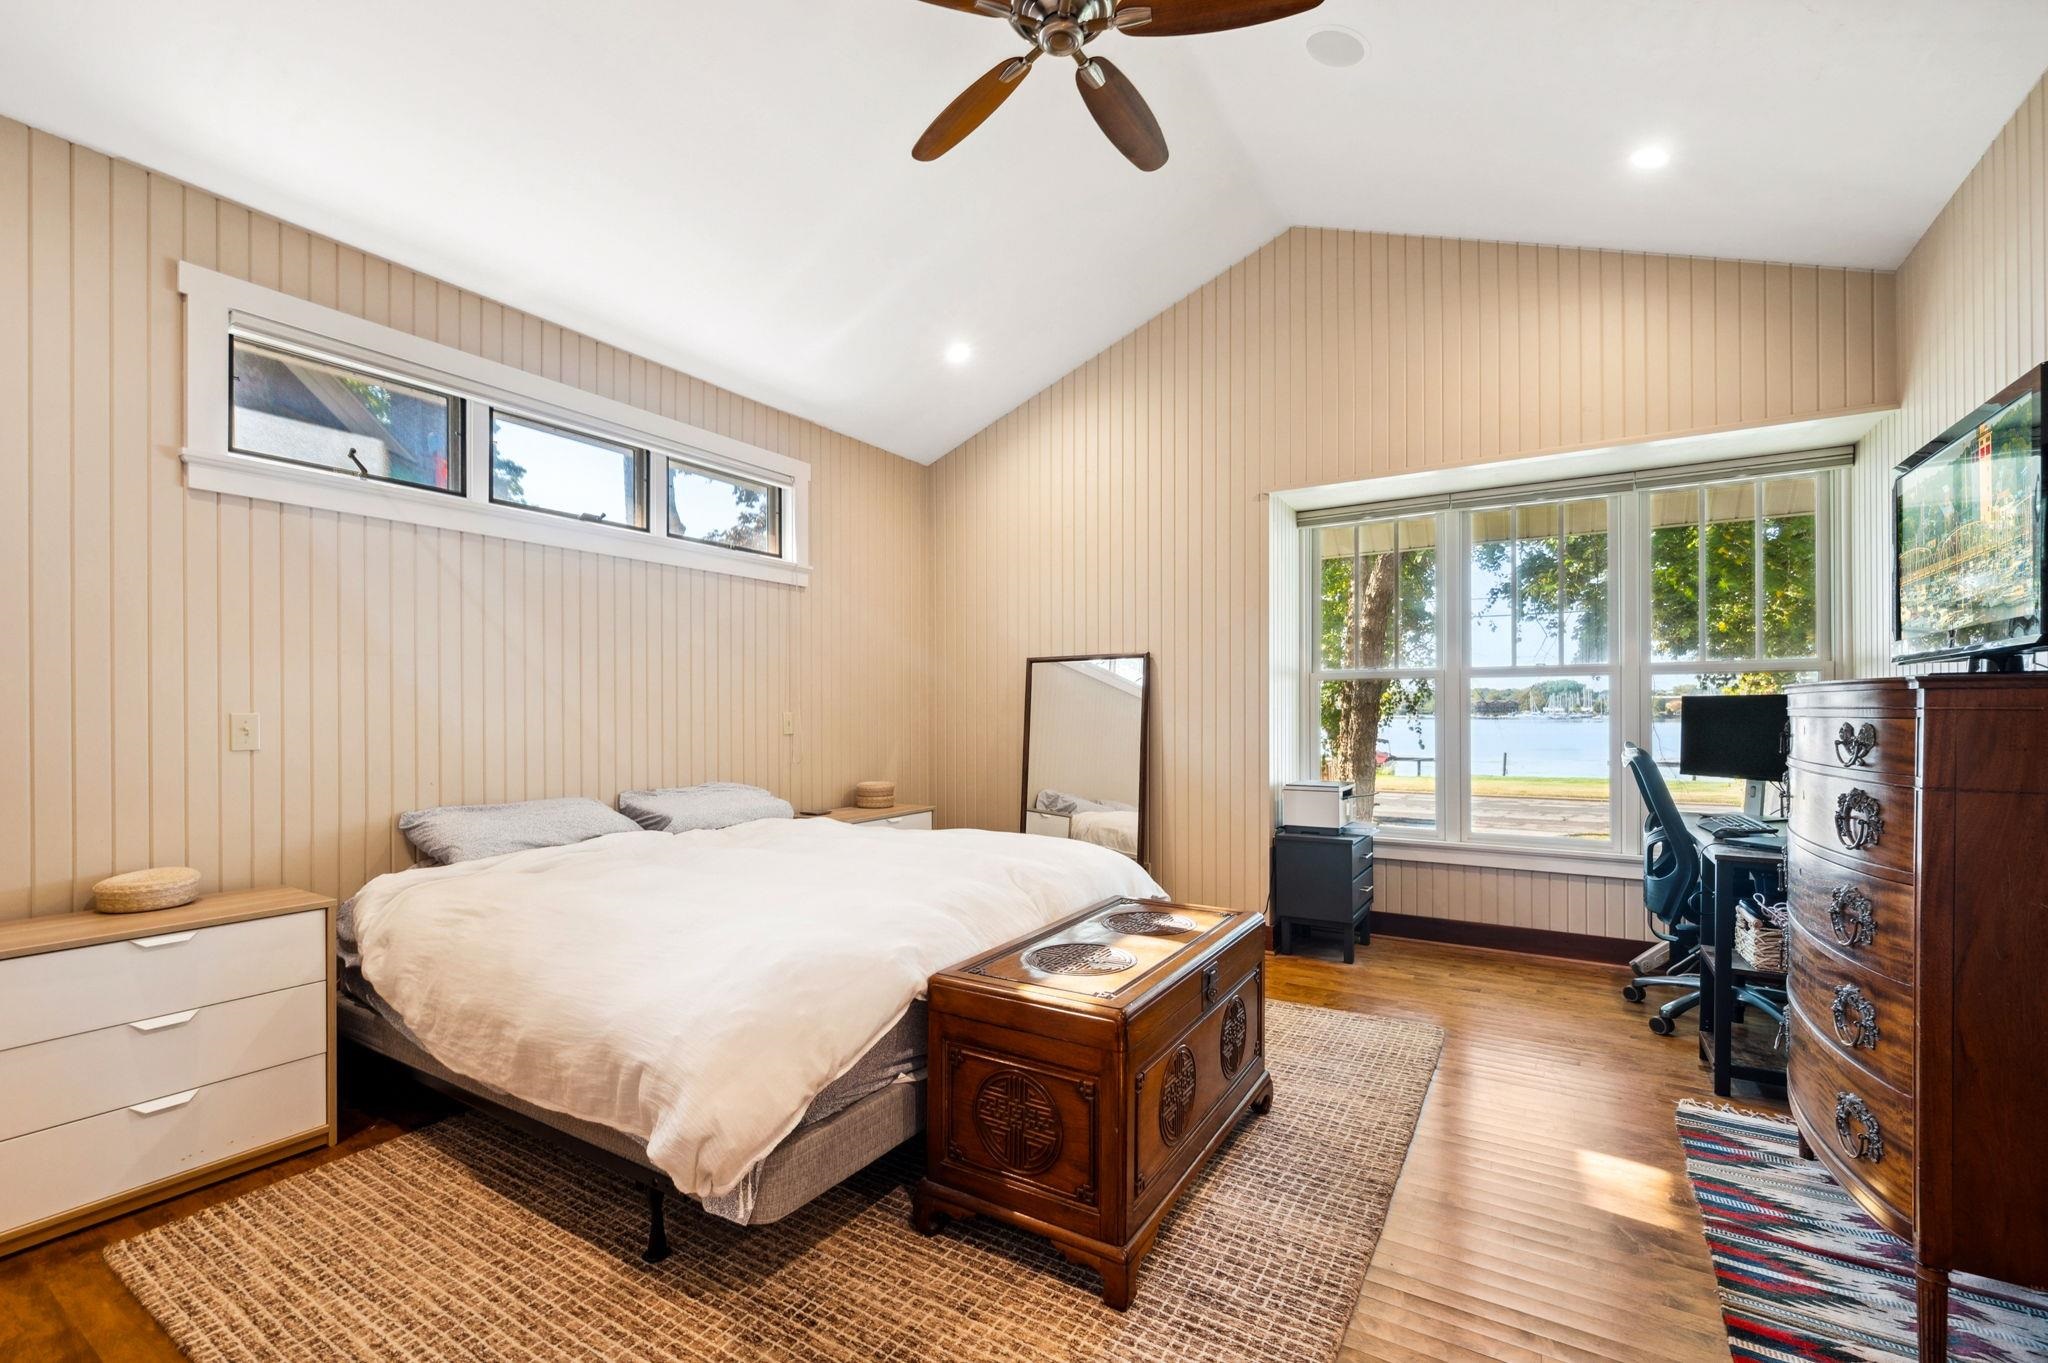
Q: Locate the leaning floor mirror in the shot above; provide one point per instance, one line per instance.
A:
(1086, 725)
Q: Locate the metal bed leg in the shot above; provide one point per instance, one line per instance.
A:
(657, 1225)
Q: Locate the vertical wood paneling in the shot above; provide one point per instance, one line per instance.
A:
(1972, 316)
(392, 667)
(1328, 356)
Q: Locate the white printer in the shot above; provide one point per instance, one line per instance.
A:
(1317, 805)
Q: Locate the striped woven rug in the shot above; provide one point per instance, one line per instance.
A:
(1806, 1276)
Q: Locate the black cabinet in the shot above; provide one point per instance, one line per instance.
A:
(1322, 882)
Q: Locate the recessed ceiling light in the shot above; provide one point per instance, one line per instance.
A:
(959, 353)
(1336, 47)
(1652, 157)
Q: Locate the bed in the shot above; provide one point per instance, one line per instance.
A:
(730, 1014)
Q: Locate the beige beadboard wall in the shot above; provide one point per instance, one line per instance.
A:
(393, 667)
(1973, 316)
(1123, 508)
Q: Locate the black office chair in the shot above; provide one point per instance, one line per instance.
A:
(1671, 893)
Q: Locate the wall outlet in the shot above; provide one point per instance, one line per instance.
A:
(245, 732)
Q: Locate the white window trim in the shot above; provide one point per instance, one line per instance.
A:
(217, 306)
(1633, 672)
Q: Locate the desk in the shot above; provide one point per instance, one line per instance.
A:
(1729, 874)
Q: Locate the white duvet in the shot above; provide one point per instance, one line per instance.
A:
(698, 990)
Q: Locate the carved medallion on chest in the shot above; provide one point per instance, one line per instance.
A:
(1148, 923)
(1079, 958)
(1236, 1027)
(1177, 1095)
(1017, 1122)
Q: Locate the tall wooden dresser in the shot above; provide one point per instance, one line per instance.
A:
(1919, 887)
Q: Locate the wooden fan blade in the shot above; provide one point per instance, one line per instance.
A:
(1124, 117)
(968, 112)
(1178, 18)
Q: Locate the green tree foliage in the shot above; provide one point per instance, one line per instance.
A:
(1559, 585)
(1789, 602)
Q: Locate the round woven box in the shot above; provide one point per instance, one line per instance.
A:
(874, 795)
(161, 887)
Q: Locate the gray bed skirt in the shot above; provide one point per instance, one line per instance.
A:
(813, 1158)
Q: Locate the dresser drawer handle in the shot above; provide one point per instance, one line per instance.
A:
(1856, 1127)
(169, 939)
(1855, 1018)
(156, 1105)
(1853, 746)
(1859, 819)
(168, 1020)
(1851, 916)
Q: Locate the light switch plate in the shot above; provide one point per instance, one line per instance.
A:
(245, 732)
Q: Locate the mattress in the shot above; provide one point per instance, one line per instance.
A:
(856, 1121)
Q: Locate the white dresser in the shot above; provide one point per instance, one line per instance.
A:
(142, 1055)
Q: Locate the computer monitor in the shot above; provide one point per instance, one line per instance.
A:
(1733, 736)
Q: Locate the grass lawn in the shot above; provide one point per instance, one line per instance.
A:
(1590, 788)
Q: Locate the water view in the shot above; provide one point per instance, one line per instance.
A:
(1531, 774)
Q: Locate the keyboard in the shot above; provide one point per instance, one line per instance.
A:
(1734, 826)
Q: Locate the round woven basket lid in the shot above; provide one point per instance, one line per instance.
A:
(160, 887)
(874, 794)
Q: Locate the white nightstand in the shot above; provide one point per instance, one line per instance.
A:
(913, 817)
(145, 1054)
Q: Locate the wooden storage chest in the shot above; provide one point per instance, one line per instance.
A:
(1082, 1075)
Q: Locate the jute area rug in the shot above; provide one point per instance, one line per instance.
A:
(467, 1241)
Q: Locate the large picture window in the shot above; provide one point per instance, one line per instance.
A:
(1474, 670)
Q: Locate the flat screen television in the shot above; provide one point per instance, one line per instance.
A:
(1970, 524)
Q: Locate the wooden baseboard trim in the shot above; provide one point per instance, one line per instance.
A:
(1570, 946)
(163, 1190)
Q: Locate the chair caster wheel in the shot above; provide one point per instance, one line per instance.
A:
(1662, 1026)
(1634, 993)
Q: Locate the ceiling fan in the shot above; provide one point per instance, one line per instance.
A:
(1065, 28)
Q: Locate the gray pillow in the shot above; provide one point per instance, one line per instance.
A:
(455, 833)
(721, 804)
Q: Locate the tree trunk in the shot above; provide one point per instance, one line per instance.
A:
(1371, 627)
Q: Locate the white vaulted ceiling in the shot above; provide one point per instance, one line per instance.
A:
(727, 187)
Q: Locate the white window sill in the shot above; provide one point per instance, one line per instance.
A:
(242, 475)
(1553, 861)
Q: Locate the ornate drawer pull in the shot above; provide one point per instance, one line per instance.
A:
(1855, 1018)
(1853, 746)
(1851, 916)
(1857, 1129)
(1859, 819)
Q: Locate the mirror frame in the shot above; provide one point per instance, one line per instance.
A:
(1144, 740)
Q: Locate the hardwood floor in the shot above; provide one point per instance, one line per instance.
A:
(1543, 1212)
